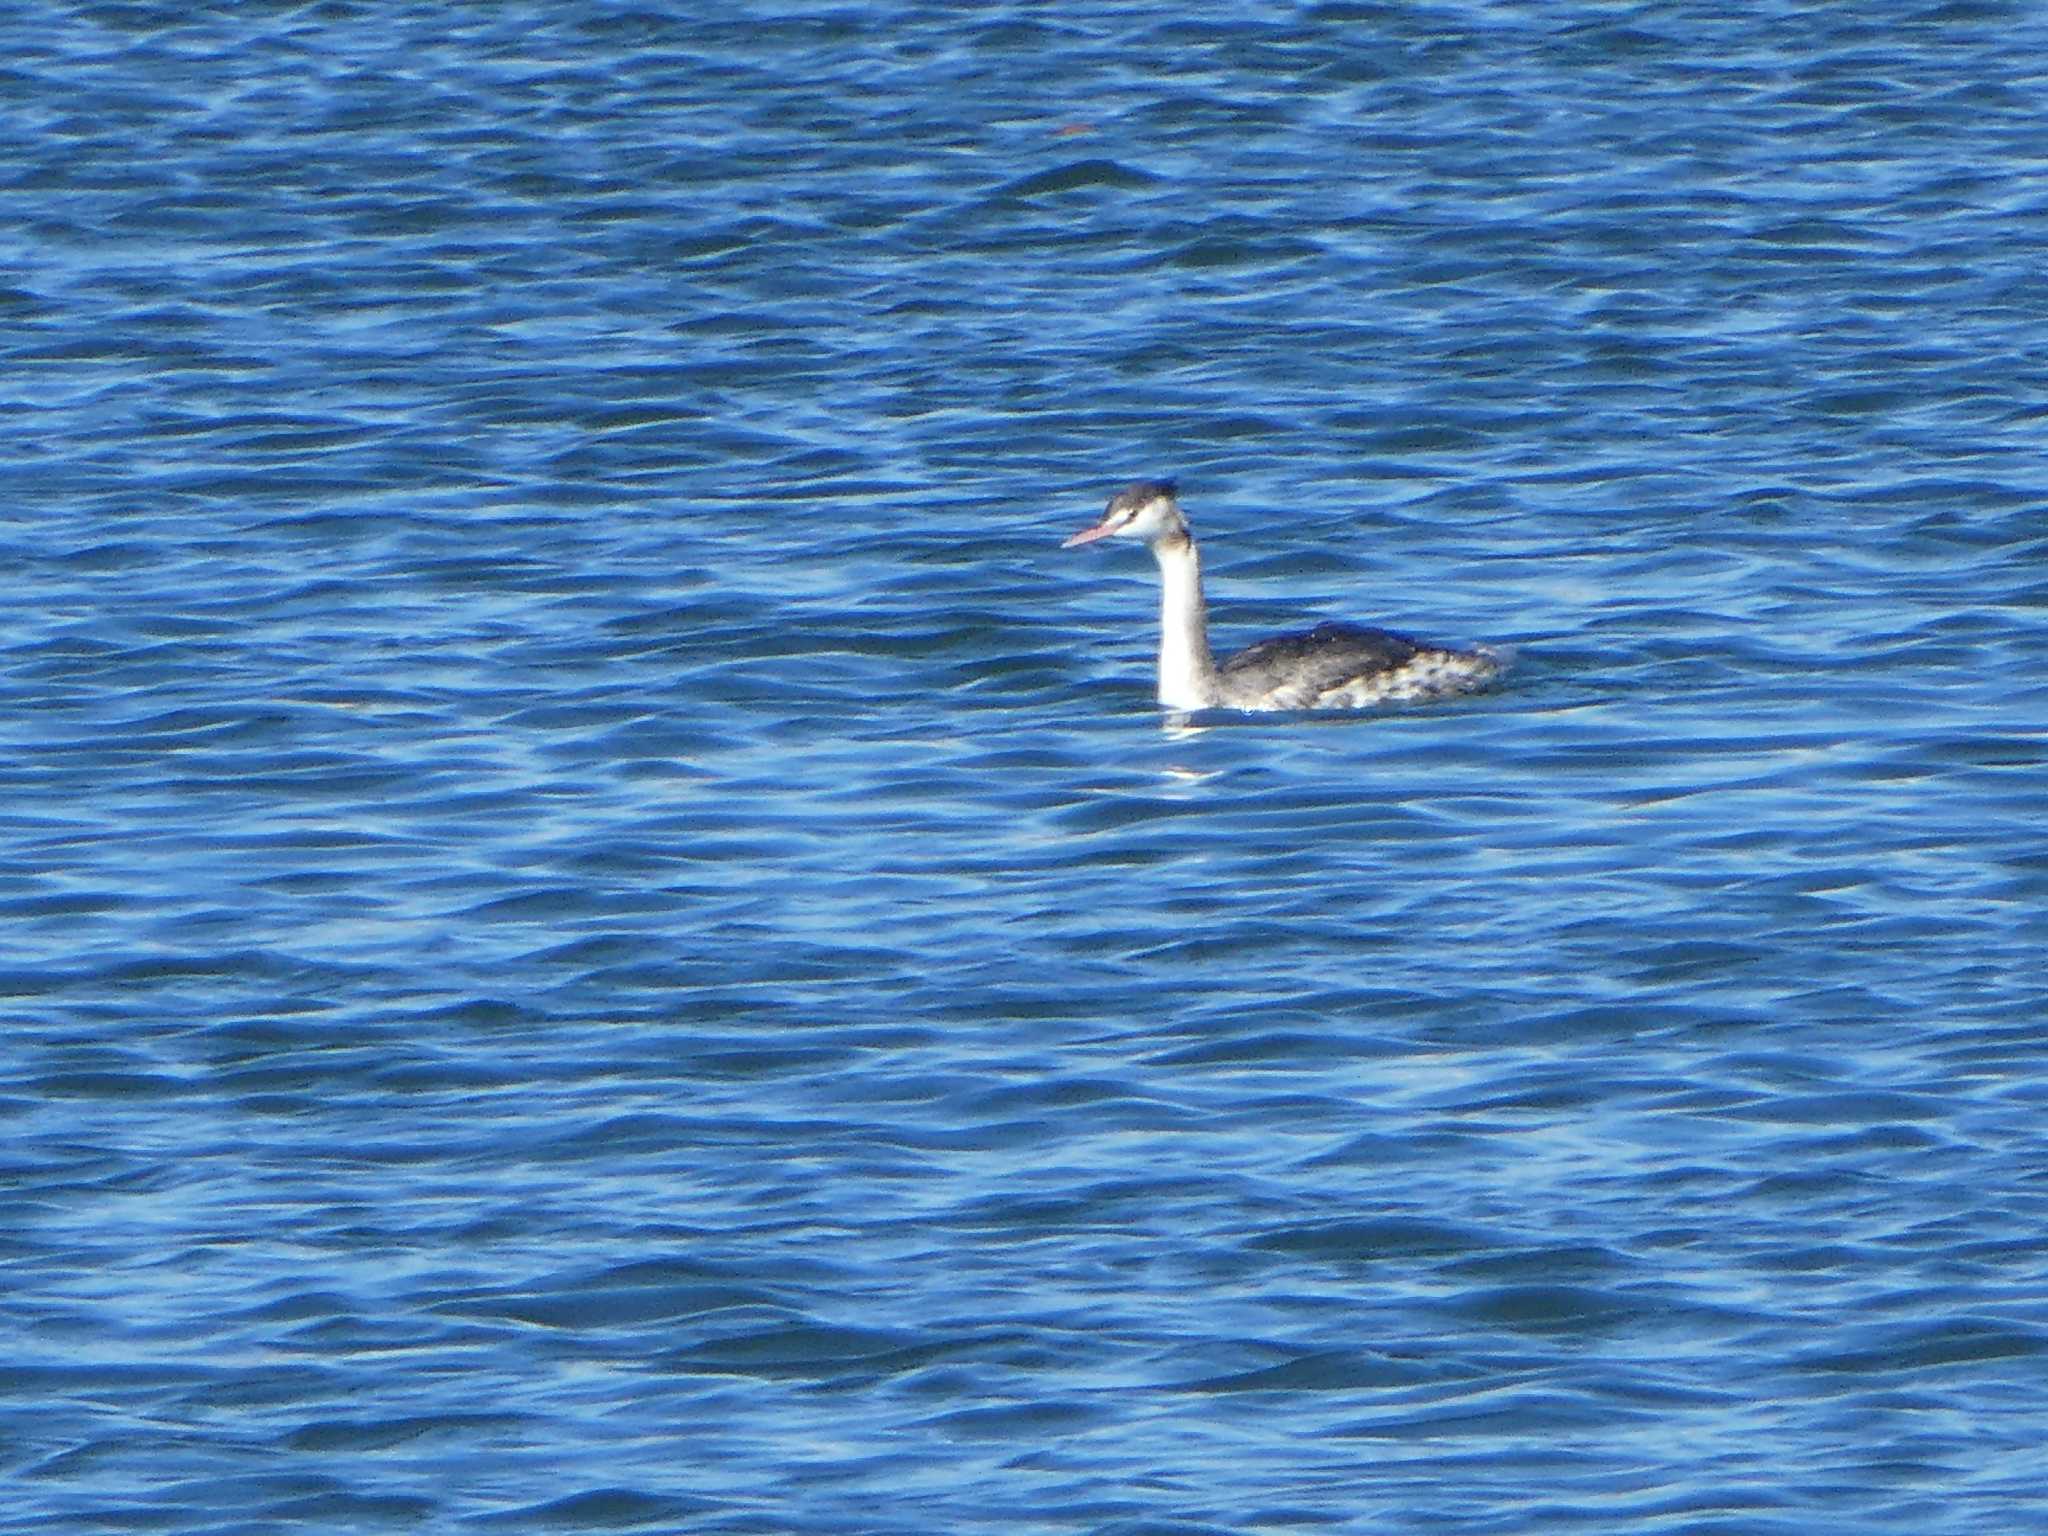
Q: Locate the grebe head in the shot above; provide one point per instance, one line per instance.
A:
(1146, 510)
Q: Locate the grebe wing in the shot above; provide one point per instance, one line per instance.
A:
(1311, 662)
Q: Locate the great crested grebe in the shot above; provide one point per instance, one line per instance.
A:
(1333, 666)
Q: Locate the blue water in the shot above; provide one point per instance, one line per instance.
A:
(599, 932)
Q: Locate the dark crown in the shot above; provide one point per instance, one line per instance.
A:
(1141, 491)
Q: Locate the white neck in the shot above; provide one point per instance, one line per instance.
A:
(1187, 672)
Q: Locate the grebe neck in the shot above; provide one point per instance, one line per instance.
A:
(1187, 670)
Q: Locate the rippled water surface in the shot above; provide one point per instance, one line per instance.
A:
(599, 932)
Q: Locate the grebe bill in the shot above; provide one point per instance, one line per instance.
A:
(1332, 666)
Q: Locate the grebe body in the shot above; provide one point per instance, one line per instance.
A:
(1332, 666)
